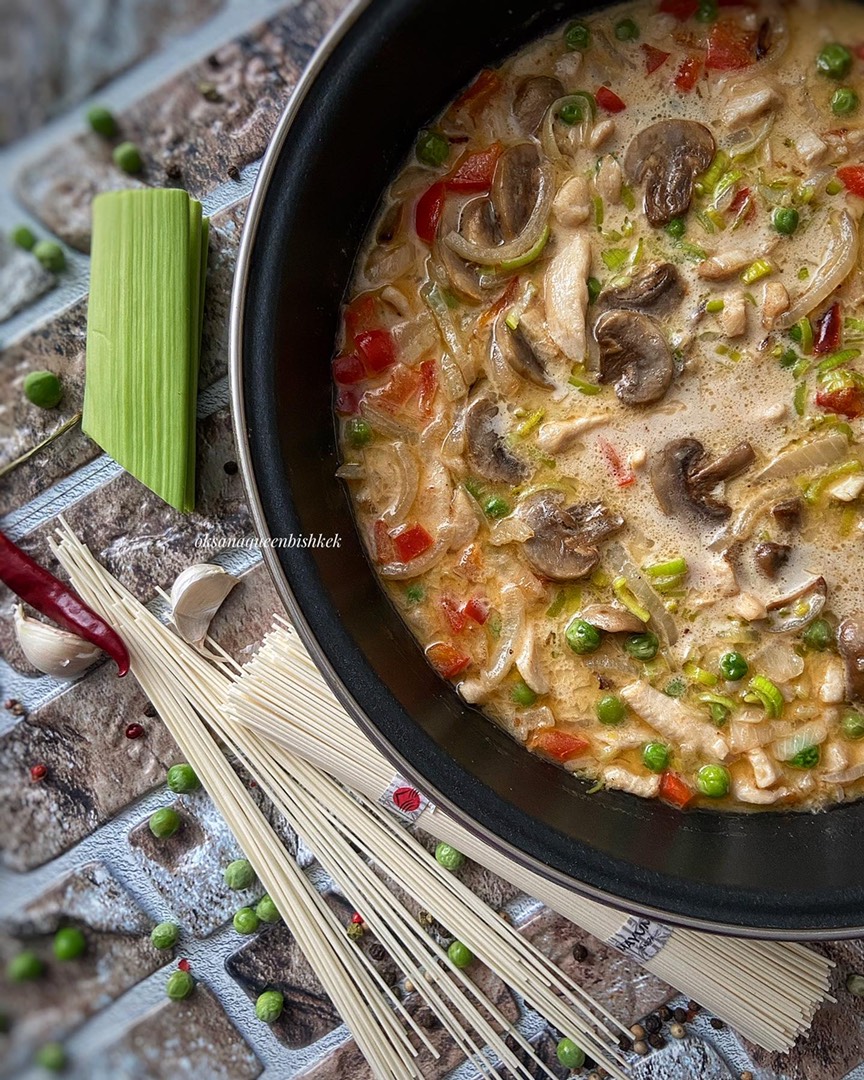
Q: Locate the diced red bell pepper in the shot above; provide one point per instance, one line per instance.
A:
(501, 305)
(347, 401)
(852, 178)
(681, 9)
(474, 172)
(848, 402)
(673, 790)
(428, 386)
(477, 609)
(859, 51)
(401, 387)
(384, 550)
(427, 213)
(453, 614)
(730, 47)
(411, 541)
(364, 313)
(688, 74)
(348, 369)
(743, 206)
(486, 83)
(560, 745)
(376, 350)
(654, 58)
(829, 332)
(622, 474)
(447, 660)
(609, 101)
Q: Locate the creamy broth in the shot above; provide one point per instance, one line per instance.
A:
(600, 394)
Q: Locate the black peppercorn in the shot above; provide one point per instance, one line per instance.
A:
(580, 953)
(231, 468)
(680, 1015)
(718, 1025)
(625, 1044)
(233, 173)
(665, 1013)
(657, 1041)
(652, 1024)
(694, 1006)
(149, 710)
(377, 951)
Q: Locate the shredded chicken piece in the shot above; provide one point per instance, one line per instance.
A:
(835, 756)
(609, 179)
(637, 457)
(528, 720)
(749, 607)
(745, 791)
(733, 317)
(557, 436)
(748, 101)
(765, 771)
(566, 293)
(833, 689)
(616, 776)
(397, 300)
(810, 148)
(848, 489)
(529, 664)
(725, 265)
(600, 133)
(568, 68)
(675, 721)
(775, 303)
(463, 520)
(572, 204)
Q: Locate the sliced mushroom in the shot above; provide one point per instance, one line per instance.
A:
(564, 544)
(477, 224)
(487, 451)
(634, 356)
(653, 290)
(515, 188)
(682, 478)
(770, 558)
(669, 156)
(795, 611)
(532, 99)
(520, 354)
(787, 513)
(850, 642)
(613, 619)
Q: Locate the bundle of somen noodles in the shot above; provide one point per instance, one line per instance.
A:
(283, 722)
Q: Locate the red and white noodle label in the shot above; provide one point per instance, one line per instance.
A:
(640, 938)
(403, 799)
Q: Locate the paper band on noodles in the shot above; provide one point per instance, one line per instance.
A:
(403, 799)
(640, 938)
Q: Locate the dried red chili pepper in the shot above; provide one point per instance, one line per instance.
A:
(50, 597)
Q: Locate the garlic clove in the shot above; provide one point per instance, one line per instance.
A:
(196, 596)
(51, 650)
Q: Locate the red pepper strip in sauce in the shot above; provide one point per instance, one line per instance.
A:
(673, 790)
(411, 541)
(829, 332)
(477, 609)
(688, 74)
(447, 660)
(622, 474)
(56, 601)
(852, 178)
(681, 9)
(609, 101)
(848, 402)
(428, 212)
(454, 616)
(654, 58)
(730, 48)
(486, 83)
(560, 745)
(475, 172)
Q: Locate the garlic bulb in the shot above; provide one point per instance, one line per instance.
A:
(51, 650)
(196, 596)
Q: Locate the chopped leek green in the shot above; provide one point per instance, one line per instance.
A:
(838, 359)
(530, 255)
(802, 334)
(148, 266)
(628, 598)
(700, 675)
(615, 258)
(762, 691)
(756, 271)
(799, 399)
(714, 307)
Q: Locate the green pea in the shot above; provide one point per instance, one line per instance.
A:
(733, 666)
(164, 822)
(819, 635)
(808, 758)
(43, 389)
(676, 687)
(582, 637)
(164, 935)
(359, 432)
(496, 507)
(835, 61)
(239, 874)
(571, 114)
(569, 1054)
(707, 11)
(655, 756)
(642, 646)
(179, 986)
(51, 255)
(610, 709)
(69, 943)
(785, 220)
(52, 1057)
(24, 967)
(713, 781)
(127, 157)
(269, 1006)
(182, 779)
(627, 30)
(246, 921)
(432, 148)
(102, 121)
(523, 695)
(852, 724)
(414, 594)
(577, 37)
(267, 911)
(460, 954)
(23, 237)
(449, 857)
(845, 102)
(676, 228)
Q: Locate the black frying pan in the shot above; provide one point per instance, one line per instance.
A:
(388, 68)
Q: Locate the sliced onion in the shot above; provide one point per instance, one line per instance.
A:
(456, 368)
(351, 470)
(452, 381)
(845, 776)
(400, 571)
(509, 530)
(839, 262)
(512, 629)
(812, 734)
(744, 142)
(528, 663)
(383, 422)
(548, 139)
(464, 519)
(779, 663)
(494, 255)
(813, 455)
(414, 339)
(394, 470)
(620, 561)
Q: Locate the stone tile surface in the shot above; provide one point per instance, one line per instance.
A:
(180, 1040)
(118, 955)
(55, 54)
(94, 771)
(247, 615)
(681, 1059)
(23, 279)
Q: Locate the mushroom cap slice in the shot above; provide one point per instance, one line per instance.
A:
(478, 224)
(655, 289)
(850, 642)
(682, 478)
(487, 452)
(634, 356)
(613, 619)
(669, 156)
(520, 354)
(564, 544)
(515, 188)
(795, 611)
(532, 99)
